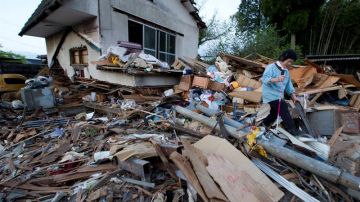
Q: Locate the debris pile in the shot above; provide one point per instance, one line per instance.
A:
(201, 140)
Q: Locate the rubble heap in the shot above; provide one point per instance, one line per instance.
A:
(201, 140)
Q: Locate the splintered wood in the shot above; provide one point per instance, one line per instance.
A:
(210, 188)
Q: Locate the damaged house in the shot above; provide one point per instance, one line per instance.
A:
(78, 32)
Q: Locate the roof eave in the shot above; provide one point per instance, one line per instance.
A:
(43, 13)
(194, 12)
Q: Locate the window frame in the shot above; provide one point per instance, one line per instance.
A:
(156, 45)
(80, 51)
(157, 40)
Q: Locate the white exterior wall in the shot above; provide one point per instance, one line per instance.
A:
(166, 13)
(73, 40)
(113, 27)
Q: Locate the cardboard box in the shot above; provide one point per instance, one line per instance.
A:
(216, 86)
(247, 82)
(350, 121)
(252, 96)
(185, 83)
(201, 82)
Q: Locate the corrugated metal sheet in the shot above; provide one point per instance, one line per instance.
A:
(284, 182)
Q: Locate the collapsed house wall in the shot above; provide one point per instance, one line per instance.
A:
(73, 40)
(90, 71)
(111, 26)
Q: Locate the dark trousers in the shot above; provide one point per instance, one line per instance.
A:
(288, 122)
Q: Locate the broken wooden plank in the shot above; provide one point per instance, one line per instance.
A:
(348, 78)
(335, 136)
(244, 61)
(314, 91)
(313, 100)
(183, 164)
(104, 109)
(324, 81)
(210, 188)
(303, 76)
(164, 159)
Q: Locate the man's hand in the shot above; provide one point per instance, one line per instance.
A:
(280, 78)
(295, 98)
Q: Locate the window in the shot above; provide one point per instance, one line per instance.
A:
(155, 42)
(14, 81)
(166, 47)
(79, 56)
(149, 40)
(135, 32)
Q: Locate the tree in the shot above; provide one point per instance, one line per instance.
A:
(290, 17)
(337, 30)
(10, 55)
(249, 18)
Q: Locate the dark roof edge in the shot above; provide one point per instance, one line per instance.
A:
(48, 6)
(42, 11)
(333, 56)
(195, 14)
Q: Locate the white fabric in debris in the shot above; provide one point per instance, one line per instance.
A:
(153, 60)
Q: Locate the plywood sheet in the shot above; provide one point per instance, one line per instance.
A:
(215, 145)
(236, 184)
(324, 81)
(303, 76)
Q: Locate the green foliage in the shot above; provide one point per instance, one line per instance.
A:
(297, 21)
(336, 30)
(249, 17)
(265, 27)
(266, 42)
(10, 55)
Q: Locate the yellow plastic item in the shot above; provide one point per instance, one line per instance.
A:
(235, 84)
(11, 82)
(251, 141)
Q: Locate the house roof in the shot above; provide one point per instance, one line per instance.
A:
(48, 6)
(42, 11)
(342, 57)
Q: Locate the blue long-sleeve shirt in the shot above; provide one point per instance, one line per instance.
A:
(272, 91)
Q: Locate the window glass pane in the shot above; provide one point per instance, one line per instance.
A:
(76, 57)
(135, 32)
(162, 41)
(162, 57)
(149, 38)
(150, 52)
(14, 81)
(84, 56)
(170, 59)
(171, 44)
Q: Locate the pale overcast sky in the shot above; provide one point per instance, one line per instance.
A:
(14, 13)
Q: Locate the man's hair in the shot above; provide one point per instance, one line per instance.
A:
(288, 54)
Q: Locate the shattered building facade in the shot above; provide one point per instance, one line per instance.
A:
(78, 32)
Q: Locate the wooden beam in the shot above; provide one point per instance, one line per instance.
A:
(314, 91)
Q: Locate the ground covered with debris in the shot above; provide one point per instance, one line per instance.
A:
(201, 140)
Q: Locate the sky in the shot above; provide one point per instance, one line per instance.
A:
(14, 14)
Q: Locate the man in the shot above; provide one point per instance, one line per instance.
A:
(275, 82)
